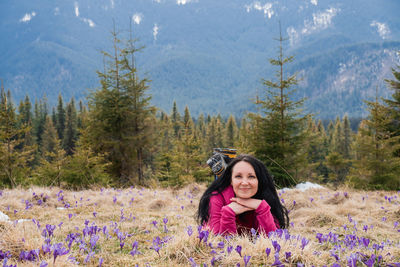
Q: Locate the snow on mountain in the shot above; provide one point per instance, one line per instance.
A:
(208, 54)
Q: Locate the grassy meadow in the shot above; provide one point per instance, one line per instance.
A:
(157, 227)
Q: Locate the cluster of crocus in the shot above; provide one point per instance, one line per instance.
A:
(349, 243)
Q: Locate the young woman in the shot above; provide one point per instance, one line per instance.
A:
(244, 197)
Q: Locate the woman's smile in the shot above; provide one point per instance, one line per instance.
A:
(244, 180)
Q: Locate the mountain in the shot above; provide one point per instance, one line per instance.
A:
(210, 55)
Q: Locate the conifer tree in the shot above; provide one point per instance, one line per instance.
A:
(176, 119)
(337, 137)
(330, 131)
(347, 138)
(279, 131)
(394, 104)
(71, 128)
(187, 159)
(60, 118)
(315, 150)
(375, 166)
(13, 156)
(50, 141)
(244, 133)
(39, 120)
(120, 114)
(231, 132)
(85, 168)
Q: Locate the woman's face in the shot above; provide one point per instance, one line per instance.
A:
(244, 180)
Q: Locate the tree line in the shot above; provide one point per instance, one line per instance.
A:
(119, 139)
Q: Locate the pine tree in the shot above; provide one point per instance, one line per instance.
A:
(176, 119)
(71, 128)
(60, 118)
(279, 133)
(120, 114)
(187, 159)
(375, 166)
(13, 156)
(347, 137)
(85, 168)
(39, 119)
(231, 132)
(394, 104)
(50, 141)
(337, 137)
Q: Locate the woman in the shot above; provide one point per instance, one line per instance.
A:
(244, 197)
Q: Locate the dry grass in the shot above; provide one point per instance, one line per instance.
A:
(138, 214)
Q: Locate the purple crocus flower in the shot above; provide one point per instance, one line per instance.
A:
(246, 260)
(371, 261)
(4, 255)
(93, 241)
(304, 242)
(213, 261)
(134, 250)
(352, 260)
(229, 249)
(239, 250)
(365, 241)
(88, 257)
(192, 262)
(268, 251)
(189, 230)
(156, 244)
(276, 246)
(277, 262)
(288, 255)
(43, 264)
(203, 235)
(59, 250)
(5, 263)
(100, 262)
(221, 245)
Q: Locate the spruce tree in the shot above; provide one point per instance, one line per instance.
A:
(347, 138)
(14, 156)
(231, 132)
(375, 166)
(176, 119)
(394, 104)
(71, 128)
(279, 134)
(187, 159)
(50, 141)
(60, 118)
(120, 114)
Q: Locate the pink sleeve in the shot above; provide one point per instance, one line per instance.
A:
(265, 219)
(222, 218)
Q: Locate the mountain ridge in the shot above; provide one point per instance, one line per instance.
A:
(209, 55)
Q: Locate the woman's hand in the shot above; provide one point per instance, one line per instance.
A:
(250, 203)
(238, 208)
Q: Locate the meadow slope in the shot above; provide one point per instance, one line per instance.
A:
(157, 227)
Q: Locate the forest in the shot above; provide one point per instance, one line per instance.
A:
(118, 139)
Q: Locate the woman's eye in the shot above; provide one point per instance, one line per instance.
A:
(252, 177)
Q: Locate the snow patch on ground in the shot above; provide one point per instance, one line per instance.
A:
(4, 217)
(303, 186)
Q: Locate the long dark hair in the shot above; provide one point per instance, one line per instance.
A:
(266, 190)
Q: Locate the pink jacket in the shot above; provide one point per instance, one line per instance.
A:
(223, 219)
